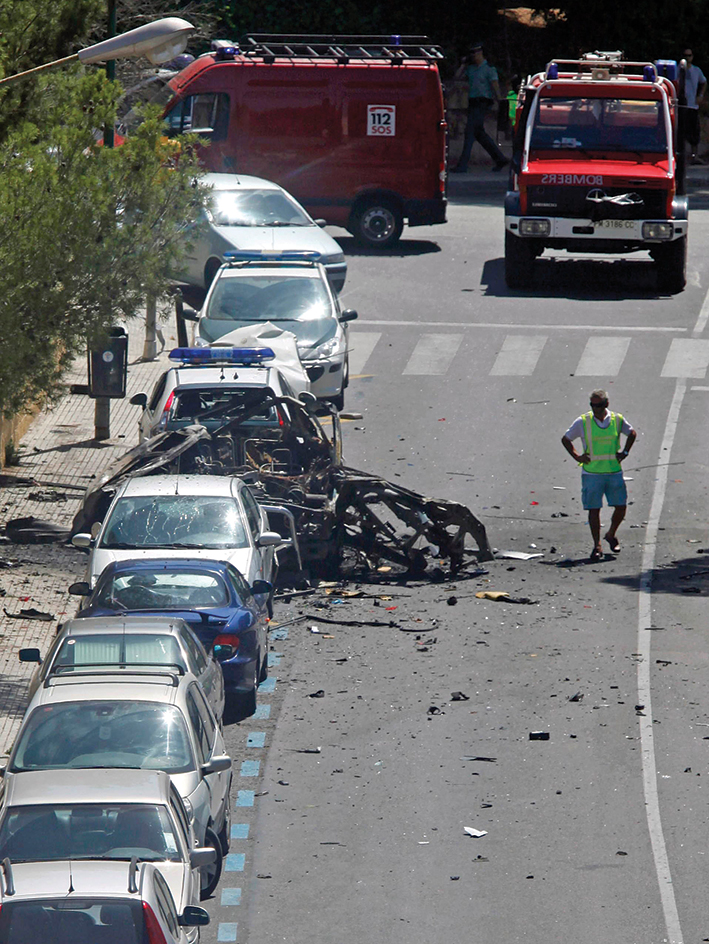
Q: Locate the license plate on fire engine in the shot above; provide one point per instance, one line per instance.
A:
(615, 224)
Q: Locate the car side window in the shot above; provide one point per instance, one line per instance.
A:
(195, 649)
(180, 814)
(205, 114)
(209, 725)
(197, 725)
(242, 587)
(253, 513)
(158, 390)
(166, 905)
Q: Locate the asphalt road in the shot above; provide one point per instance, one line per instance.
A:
(597, 832)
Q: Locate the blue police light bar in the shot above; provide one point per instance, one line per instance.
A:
(668, 68)
(229, 355)
(271, 255)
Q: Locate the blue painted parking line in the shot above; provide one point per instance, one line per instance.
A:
(250, 768)
(278, 634)
(245, 798)
(256, 739)
(227, 931)
(267, 686)
(274, 658)
(262, 712)
(235, 862)
(231, 896)
(240, 831)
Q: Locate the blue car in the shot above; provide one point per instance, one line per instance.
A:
(227, 614)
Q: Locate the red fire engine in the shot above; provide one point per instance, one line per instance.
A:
(598, 166)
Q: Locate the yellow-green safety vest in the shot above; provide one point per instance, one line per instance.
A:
(602, 444)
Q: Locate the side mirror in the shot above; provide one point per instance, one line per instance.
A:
(269, 539)
(30, 655)
(349, 314)
(307, 398)
(199, 858)
(139, 399)
(321, 223)
(189, 314)
(216, 765)
(193, 916)
(261, 586)
(80, 589)
(82, 540)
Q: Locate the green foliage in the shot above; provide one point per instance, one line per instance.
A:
(87, 230)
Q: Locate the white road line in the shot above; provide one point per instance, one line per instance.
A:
(647, 743)
(602, 357)
(433, 354)
(702, 389)
(626, 329)
(687, 357)
(361, 345)
(702, 319)
(519, 355)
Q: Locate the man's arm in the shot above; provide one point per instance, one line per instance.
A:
(496, 89)
(632, 436)
(462, 68)
(583, 458)
(701, 89)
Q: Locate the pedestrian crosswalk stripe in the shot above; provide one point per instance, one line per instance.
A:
(361, 346)
(687, 357)
(433, 354)
(602, 357)
(519, 355)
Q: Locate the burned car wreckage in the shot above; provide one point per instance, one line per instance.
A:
(332, 513)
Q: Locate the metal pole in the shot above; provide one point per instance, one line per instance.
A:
(150, 345)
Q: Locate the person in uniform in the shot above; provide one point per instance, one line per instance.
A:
(483, 89)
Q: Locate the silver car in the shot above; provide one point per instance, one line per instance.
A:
(137, 718)
(255, 214)
(129, 641)
(56, 815)
(210, 516)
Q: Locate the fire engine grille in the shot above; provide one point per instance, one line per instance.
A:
(571, 201)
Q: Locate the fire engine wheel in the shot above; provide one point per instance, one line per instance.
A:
(377, 223)
(671, 265)
(519, 261)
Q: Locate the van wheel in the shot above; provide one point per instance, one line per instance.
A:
(377, 223)
(210, 270)
(211, 874)
(519, 261)
(671, 265)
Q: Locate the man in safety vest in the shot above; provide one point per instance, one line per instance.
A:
(601, 474)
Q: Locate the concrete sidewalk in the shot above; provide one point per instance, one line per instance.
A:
(59, 455)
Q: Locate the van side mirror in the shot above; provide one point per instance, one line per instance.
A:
(349, 314)
(30, 655)
(269, 539)
(139, 399)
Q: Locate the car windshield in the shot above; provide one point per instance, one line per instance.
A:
(298, 304)
(70, 920)
(255, 208)
(104, 734)
(217, 405)
(118, 649)
(178, 521)
(599, 124)
(158, 589)
(87, 831)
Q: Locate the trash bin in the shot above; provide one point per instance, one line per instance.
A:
(108, 366)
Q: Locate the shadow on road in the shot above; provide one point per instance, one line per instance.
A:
(579, 279)
(689, 575)
(405, 247)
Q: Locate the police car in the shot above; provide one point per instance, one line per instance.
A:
(289, 291)
(211, 385)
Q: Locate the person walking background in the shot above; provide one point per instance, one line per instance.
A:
(483, 90)
(600, 432)
(695, 84)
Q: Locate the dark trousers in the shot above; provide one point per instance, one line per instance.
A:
(475, 131)
(691, 127)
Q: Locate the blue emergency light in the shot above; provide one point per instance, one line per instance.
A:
(668, 68)
(271, 255)
(245, 356)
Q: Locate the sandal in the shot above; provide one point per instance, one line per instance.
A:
(613, 543)
(596, 555)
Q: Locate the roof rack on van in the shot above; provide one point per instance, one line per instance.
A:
(119, 668)
(396, 49)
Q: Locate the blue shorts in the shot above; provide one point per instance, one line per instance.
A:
(595, 486)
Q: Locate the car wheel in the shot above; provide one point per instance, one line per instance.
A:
(377, 223)
(339, 401)
(248, 698)
(224, 832)
(263, 674)
(210, 270)
(346, 373)
(211, 874)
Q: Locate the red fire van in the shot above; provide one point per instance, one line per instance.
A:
(353, 127)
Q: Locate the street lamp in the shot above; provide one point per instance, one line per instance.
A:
(159, 41)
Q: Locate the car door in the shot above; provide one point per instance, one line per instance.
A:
(207, 670)
(258, 523)
(147, 420)
(213, 743)
(182, 825)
